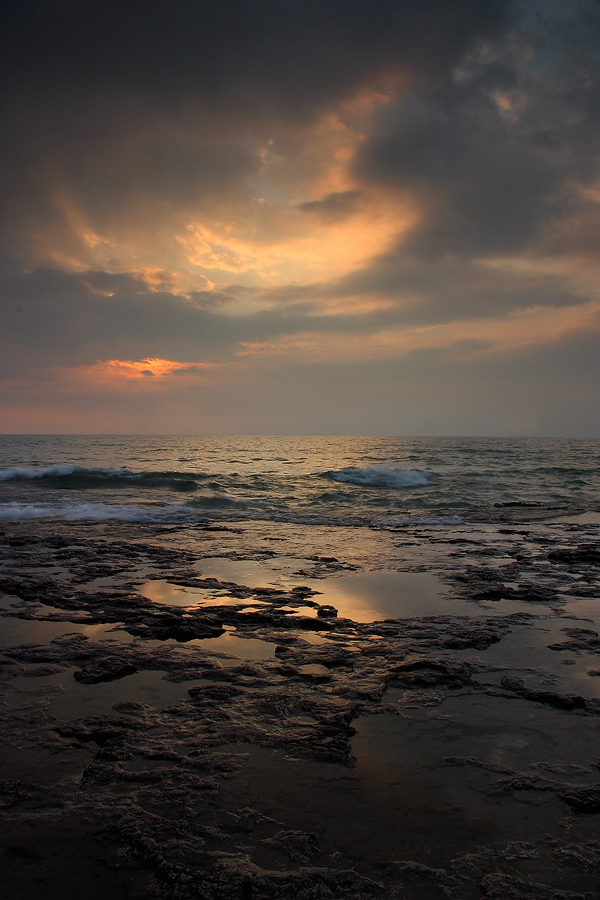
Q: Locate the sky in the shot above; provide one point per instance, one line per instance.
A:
(301, 217)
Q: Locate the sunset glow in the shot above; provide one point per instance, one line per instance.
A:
(427, 203)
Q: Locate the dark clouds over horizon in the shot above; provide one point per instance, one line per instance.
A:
(375, 197)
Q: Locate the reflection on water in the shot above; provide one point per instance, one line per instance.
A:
(246, 648)
(14, 632)
(160, 591)
(71, 700)
(369, 596)
(408, 790)
(361, 596)
(278, 573)
(164, 592)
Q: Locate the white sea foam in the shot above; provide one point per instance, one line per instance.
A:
(222, 501)
(193, 512)
(85, 512)
(161, 514)
(61, 471)
(122, 512)
(382, 476)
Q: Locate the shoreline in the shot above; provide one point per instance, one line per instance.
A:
(447, 754)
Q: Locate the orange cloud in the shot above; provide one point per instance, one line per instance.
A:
(476, 338)
(288, 244)
(144, 368)
(119, 374)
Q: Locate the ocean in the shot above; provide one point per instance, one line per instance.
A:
(358, 481)
(272, 667)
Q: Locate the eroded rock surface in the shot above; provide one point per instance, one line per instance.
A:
(143, 728)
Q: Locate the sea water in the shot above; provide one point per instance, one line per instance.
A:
(358, 481)
(378, 528)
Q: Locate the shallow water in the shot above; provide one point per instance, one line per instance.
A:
(70, 700)
(14, 632)
(280, 693)
(307, 480)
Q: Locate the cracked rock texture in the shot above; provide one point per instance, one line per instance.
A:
(255, 741)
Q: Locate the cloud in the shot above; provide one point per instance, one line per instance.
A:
(494, 154)
(458, 389)
(118, 116)
(294, 53)
(334, 207)
(221, 205)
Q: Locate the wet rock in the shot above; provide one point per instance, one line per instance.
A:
(14, 792)
(478, 764)
(584, 553)
(327, 612)
(586, 857)
(131, 707)
(559, 699)
(172, 627)
(228, 871)
(427, 633)
(585, 799)
(43, 671)
(299, 846)
(507, 887)
(214, 693)
(153, 777)
(520, 850)
(246, 820)
(10, 669)
(581, 639)
(581, 798)
(100, 729)
(439, 876)
(494, 594)
(104, 672)
(471, 866)
(430, 672)
(533, 594)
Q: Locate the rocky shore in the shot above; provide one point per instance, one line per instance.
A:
(251, 740)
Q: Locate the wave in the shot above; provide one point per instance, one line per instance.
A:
(82, 512)
(381, 476)
(81, 477)
(221, 501)
(200, 508)
(190, 513)
(213, 508)
(424, 520)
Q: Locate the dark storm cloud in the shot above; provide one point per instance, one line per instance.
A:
(494, 152)
(141, 112)
(487, 189)
(416, 291)
(438, 290)
(292, 52)
(54, 318)
(334, 207)
(138, 111)
(126, 105)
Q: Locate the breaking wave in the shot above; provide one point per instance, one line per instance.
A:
(381, 476)
(81, 477)
(211, 509)
(91, 512)
(221, 501)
